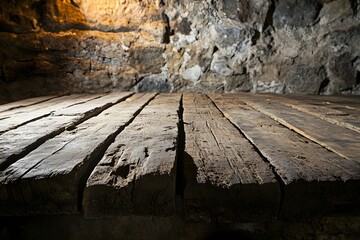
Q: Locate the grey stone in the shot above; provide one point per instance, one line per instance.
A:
(184, 26)
(297, 13)
(246, 11)
(335, 10)
(269, 87)
(225, 36)
(295, 82)
(238, 84)
(220, 66)
(193, 73)
(355, 4)
(357, 64)
(240, 10)
(341, 74)
(154, 83)
(230, 8)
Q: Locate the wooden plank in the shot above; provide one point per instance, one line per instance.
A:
(333, 102)
(137, 174)
(343, 101)
(340, 140)
(316, 181)
(18, 142)
(47, 104)
(19, 117)
(24, 103)
(338, 115)
(226, 179)
(50, 179)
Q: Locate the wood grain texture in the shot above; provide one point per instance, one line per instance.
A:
(343, 101)
(339, 115)
(214, 158)
(18, 117)
(138, 171)
(226, 179)
(316, 181)
(18, 142)
(24, 103)
(340, 140)
(49, 179)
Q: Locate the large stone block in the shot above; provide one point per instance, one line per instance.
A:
(304, 79)
(297, 13)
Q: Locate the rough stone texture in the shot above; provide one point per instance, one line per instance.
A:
(297, 13)
(153, 83)
(58, 46)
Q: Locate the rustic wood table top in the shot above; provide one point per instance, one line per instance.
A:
(210, 157)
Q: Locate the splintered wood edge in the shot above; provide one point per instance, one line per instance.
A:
(206, 198)
(137, 174)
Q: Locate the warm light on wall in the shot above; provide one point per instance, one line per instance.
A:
(109, 13)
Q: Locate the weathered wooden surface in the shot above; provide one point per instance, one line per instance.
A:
(24, 103)
(50, 179)
(340, 140)
(226, 179)
(18, 142)
(315, 180)
(231, 157)
(137, 173)
(339, 115)
(18, 117)
(343, 102)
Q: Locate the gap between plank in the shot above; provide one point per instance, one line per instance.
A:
(32, 104)
(96, 156)
(24, 123)
(179, 182)
(325, 118)
(46, 115)
(51, 135)
(296, 105)
(272, 167)
(89, 100)
(296, 130)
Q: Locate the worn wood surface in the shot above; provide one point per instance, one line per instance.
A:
(20, 141)
(138, 171)
(315, 180)
(340, 101)
(339, 115)
(226, 179)
(48, 179)
(340, 140)
(18, 117)
(24, 103)
(215, 157)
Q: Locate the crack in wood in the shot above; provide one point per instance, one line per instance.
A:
(10, 159)
(180, 148)
(323, 111)
(96, 158)
(26, 122)
(272, 167)
(18, 119)
(26, 103)
(296, 130)
(38, 163)
(222, 148)
(214, 169)
(306, 168)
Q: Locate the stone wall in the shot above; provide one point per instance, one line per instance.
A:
(282, 46)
